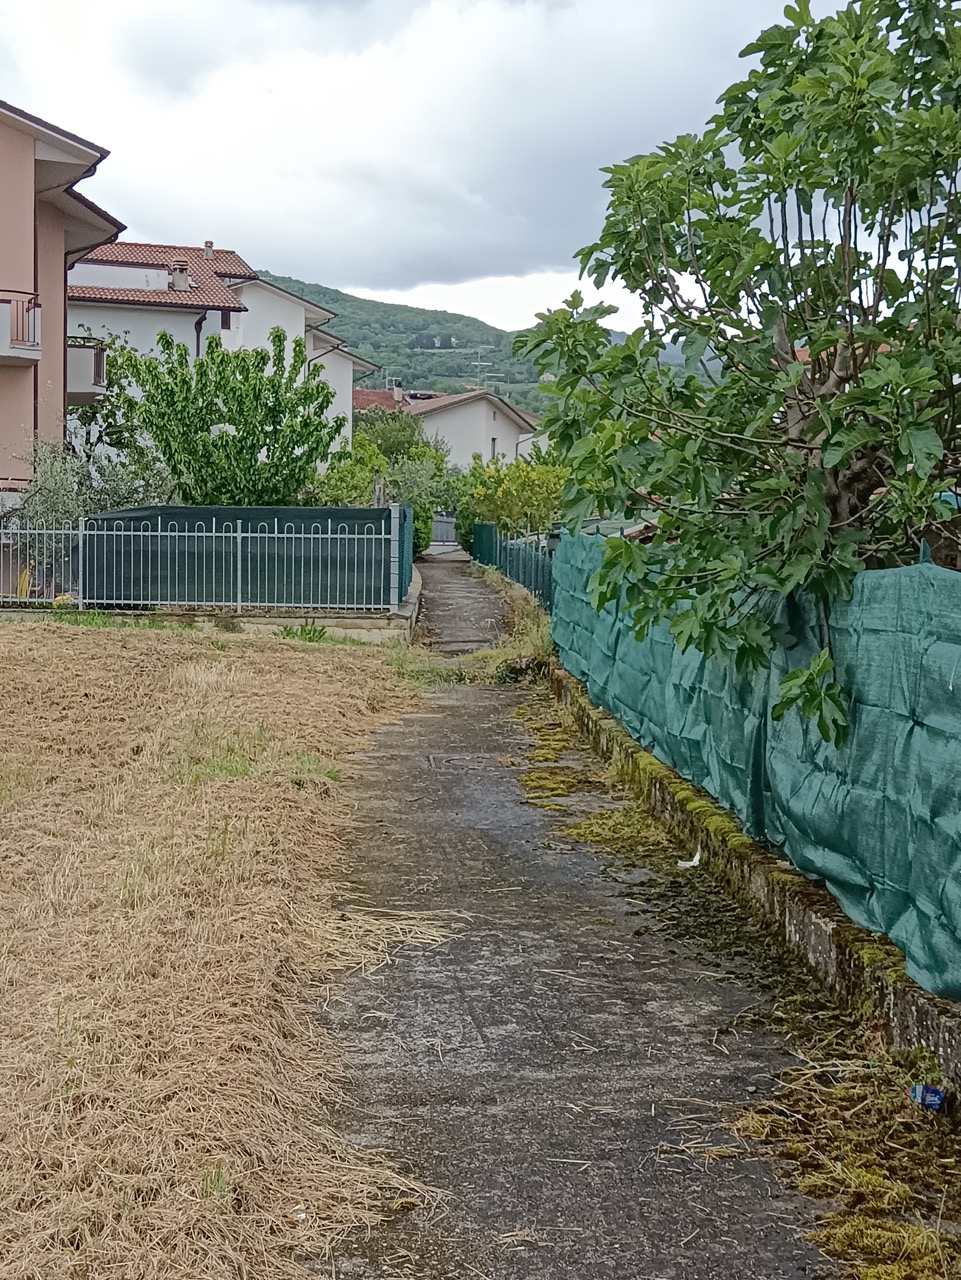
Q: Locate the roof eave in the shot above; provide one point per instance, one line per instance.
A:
(165, 305)
(38, 126)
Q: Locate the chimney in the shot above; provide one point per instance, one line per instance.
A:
(178, 270)
(209, 250)
(398, 392)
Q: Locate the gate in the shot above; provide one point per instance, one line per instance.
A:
(443, 528)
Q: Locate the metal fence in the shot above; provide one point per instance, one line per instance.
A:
(443, 531)
(527, 561)
(325, 563)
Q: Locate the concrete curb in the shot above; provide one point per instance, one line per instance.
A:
(863, 970)
(366, 628)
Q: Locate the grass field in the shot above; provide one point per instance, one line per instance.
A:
(172, 825)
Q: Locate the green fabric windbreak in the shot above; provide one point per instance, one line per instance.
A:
(879, 821)
(485, 538)
(405, 552)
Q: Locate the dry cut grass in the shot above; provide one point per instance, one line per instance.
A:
(172, 835)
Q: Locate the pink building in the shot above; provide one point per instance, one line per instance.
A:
(45, 225)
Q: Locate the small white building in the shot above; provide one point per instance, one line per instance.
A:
(141, 290)
(475, 422)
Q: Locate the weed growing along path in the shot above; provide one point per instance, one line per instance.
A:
(171, 863)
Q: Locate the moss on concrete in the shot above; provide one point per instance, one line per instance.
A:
(841, 1127)
(551, 728)
(561, 780)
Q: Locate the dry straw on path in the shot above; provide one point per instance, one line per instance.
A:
(172, 842)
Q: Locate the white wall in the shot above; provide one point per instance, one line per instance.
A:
(469, 428)
(248, 329)
(266, 310)
(119, 275)
(141, 324)
(338, 371)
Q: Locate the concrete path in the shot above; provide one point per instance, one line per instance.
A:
(458, 613)
(557, 1068)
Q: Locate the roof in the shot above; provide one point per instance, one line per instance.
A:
(61, 160)
(136, 253)
(366, 399)
(86, 203)
(208, 274)
(85, 224)
(527, 421)
(35, 125)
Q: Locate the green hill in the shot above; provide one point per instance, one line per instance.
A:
(426, 350)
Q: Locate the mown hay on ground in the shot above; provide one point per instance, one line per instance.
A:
(172, 835)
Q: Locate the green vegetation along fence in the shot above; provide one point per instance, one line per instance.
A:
(522, 560)
(879, 820)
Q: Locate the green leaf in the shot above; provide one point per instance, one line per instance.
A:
(842, 446)
(926, 448)
(694, 347)
(684, 627)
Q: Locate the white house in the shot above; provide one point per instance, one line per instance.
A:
(475, 422)
(142, 290)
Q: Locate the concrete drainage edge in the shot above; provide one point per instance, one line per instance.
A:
(861, 969)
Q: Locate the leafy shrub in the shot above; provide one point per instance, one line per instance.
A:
(67, 485)
(235, 427)
(412, 470)
(519, 497)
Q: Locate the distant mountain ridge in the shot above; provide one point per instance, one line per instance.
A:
(426, 350)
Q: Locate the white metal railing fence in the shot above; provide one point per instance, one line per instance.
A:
(328, 564)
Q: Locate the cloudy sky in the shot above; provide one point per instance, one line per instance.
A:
(444, 152)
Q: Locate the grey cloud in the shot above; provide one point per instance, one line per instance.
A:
(497, 176)
(175, 58)
(523, 189)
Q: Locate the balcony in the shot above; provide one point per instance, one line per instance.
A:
(19, 327)
(86, 371)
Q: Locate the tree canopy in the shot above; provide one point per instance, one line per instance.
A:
(801, 256)
(233, 427)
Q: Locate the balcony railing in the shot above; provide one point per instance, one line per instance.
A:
(19, 327)
(86, 371)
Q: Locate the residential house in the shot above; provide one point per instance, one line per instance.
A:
(45, 224)
(142, 290)
(371, 398)
(475, 422)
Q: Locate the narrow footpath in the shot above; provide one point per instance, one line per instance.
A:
(557, 1069)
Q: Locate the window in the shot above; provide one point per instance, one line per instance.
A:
(495, 415)
(225, 318)
(493, 448)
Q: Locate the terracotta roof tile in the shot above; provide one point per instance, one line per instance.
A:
(209, 298)
(225, 261)
(209, 275)
(367, 399)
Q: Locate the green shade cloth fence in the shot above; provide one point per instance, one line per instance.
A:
(523, 561)
(878, 821)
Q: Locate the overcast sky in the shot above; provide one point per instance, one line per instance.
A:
(441, 151)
